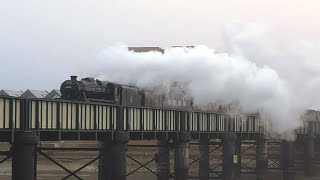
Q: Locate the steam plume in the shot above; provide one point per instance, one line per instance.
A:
(212, 77)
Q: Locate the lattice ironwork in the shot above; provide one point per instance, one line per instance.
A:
(144, 165)
(216, 170)
(274, 155)
(213, 170)
(7, 155)
(274, 164)
(70, 173)
(248, 157)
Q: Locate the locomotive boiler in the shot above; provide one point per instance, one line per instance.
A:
(90, 89)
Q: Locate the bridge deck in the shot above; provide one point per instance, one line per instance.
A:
(60, 119)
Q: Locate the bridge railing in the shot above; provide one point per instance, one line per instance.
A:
(10, 111)
(53, 115)
(309, 127)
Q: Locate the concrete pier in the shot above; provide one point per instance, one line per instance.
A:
(204, 159)
(309, 150)
(229, 156)
(309, 154)
(238, 153)
(261, 158)
(162, 160)
(119, 156)
(105, 162)
(23, 157)
(181, 156)
(287, 150)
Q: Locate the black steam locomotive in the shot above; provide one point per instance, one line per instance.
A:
(90, 89)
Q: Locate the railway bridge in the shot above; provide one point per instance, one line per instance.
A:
(26, 122)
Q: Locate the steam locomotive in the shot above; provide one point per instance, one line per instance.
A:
(90, 89)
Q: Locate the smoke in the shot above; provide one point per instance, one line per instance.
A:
(261, 70)
(295, 61)
(212, 77)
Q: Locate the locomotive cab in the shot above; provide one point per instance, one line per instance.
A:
(113, 92)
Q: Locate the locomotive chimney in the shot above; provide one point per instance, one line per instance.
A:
(73, 78)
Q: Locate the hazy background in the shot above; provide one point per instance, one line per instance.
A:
(41, 42)
(265, 54)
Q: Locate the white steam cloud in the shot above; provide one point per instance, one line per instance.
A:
(261, 71)
(212, 77)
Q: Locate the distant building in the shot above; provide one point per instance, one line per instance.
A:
(148, 49)
(54, 94)
(10, 93)
(145, 49)
(34, 94)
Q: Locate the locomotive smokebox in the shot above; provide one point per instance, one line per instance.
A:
(73, 78)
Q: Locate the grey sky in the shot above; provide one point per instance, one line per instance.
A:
(40, 40)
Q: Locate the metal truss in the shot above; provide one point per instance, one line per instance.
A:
(273, 146)
(248, 166)
(7, 154)
(274, 155)
(71, 173)
(274, 164)
(144, 165)
(213, 170)
(217, 170)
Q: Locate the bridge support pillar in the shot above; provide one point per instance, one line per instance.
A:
(104, 164)
(287, 149)
(119, 156)
(181, 156)
(23, 157)
(238, 153)
(261, 157)
(162, 160)
(204, 158)
(308, 154)
(228, 169)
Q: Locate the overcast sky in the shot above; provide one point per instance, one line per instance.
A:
(43, 39)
